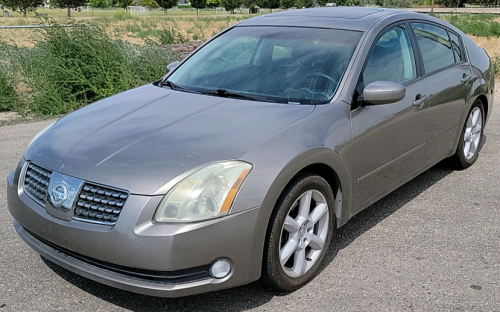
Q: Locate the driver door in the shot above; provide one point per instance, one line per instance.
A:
(388, 140)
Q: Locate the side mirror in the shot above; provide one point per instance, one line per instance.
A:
(172, 65)
(383, 92)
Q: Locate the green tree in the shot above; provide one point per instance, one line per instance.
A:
(22, 5)
(150, 4)
(286, 4)
(230, 5)
(68, 4)
(125, 3)
(212, 3)
(99, 3)
(270, 4)
(166, 4)
(304, 3)
(198, 4)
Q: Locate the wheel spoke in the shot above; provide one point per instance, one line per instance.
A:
(478, 129)
(317, 213)
(305, 205)
(291, 225)
(475, 116)
(467, 145)
(316, 242)
(300, 264)
(473, 147)
(467, 134)
(287, 251)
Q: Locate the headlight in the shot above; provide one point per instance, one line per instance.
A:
(205, 194)
(40, 133)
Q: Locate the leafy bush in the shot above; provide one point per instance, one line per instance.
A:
(150, 4)
(496, 64)
(170, 36)
(8, 97)
(481, 25)
(121, 16)
(71, 67)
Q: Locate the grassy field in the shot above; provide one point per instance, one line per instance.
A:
(131, 28)
(54, 70)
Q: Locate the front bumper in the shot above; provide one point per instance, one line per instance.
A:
(136, 255)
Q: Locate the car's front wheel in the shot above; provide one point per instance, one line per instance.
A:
(299, 233)
(470, 139)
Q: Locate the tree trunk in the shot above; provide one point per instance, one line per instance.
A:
(69, 12)
(24, 12)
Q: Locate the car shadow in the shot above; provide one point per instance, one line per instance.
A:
(255, 294)
(379, 211)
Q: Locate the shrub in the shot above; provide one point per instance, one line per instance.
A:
(482, 25)
(121, 16)
(496, 64)
(8, 97)
(71, 67)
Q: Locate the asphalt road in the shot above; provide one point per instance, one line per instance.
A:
(433, 244)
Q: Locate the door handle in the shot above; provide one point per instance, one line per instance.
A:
(420, 100)
(465, 78)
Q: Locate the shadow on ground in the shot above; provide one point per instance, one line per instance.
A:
(254, 295)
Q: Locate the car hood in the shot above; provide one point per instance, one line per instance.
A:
(141, 139)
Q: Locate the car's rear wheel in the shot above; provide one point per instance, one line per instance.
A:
(299, 233)
(470, 139)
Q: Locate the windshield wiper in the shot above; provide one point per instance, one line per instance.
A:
(243, 96)
(171, 85)
(176, 87)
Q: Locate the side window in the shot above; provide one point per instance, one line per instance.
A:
(435, 46)
(391, 59)
(280, 52)
(455, 44)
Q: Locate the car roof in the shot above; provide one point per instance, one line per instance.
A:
(354, 18)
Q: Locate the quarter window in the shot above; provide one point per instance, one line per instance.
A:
(455, 44)
(435, 46)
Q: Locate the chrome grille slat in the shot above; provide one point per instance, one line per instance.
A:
(99, 204)
(36, 183)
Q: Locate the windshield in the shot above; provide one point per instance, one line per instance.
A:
(279, 64)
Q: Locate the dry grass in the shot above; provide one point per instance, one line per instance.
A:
(134, 30)
(491, 45)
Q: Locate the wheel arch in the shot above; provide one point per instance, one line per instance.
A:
(484, 101)
(326, 164)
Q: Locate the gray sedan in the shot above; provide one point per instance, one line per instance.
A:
(244, 159)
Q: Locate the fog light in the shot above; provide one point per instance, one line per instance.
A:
(220, 268)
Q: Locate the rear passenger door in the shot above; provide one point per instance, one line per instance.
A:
(448, 75)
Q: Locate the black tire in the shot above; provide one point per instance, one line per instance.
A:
(460, 159)
(310, 233)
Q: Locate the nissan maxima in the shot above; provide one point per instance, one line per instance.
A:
(243, 160)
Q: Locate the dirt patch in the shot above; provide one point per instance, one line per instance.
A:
(8, 117)
(491, 45)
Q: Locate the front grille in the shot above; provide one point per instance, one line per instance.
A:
(99, 204)
(36, 183)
